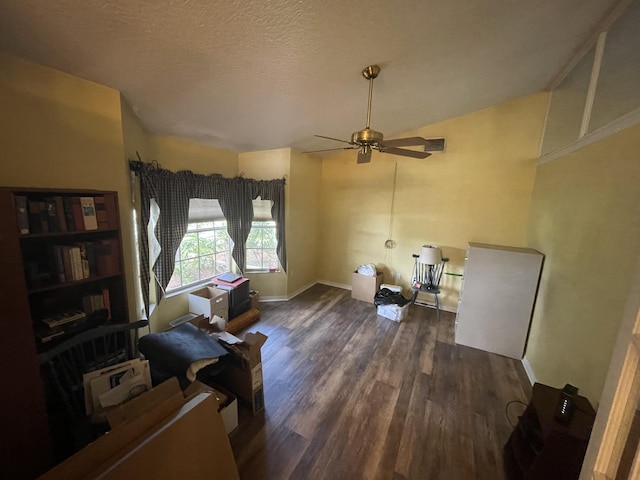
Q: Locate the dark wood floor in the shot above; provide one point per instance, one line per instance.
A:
(350, 395)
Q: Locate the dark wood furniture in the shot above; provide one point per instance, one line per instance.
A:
(63, 368)
(30, 291)
(542, 448)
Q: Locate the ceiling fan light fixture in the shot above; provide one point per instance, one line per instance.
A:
(364, 154)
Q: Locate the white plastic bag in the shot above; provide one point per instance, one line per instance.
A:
(368, 269)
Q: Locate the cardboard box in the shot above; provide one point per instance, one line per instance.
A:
(210, 301)
(161, 441)
(393, 312)
(364, 287)
(243, 375)
(227, 402)
(166, 396)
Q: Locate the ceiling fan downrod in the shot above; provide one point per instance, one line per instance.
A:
(366, 136)
(370, 73)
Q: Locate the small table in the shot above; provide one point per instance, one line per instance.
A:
(541, 447)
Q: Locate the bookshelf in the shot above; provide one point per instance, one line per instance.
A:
(62, 274)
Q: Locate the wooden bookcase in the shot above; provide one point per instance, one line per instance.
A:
(35, 286)
(540, 447)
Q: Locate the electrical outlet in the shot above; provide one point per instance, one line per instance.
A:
(398, 276)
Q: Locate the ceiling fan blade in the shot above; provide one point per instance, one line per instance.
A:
(364, 155)
(404, 152)
(430, 144)
(330, 149)
(331, 138)
(404, 142)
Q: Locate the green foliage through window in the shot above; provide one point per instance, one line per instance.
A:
(261, 247)
(205, 251)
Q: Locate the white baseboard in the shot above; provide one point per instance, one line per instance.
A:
(274, 298)
(300, 290)
(529, 369)
(334, 284)
(281, 298)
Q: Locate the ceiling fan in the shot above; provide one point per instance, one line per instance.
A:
(366, 140)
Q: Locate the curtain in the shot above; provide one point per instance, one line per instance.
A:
(172, 192)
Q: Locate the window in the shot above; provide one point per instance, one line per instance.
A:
(262, 241)
(205, 250)
(261, 247)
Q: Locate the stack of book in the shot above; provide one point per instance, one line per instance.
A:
(65, 213)
(86, 259)
(56, 325)
(97, 301)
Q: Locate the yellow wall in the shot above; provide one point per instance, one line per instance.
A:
(478, 190)
(304, 211)
(175, 154)
(585, 218)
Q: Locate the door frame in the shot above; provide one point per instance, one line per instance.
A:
(621, 387)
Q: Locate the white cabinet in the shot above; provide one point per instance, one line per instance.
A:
(497, 299)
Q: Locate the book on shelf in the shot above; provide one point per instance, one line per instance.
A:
(72, 262)
(89, 213)
(62, 219)
(92, 302)
(76, 258)
(67, 262)
(83, 259)
(22, 213)
(78, 217)
(58, 263)
(107, 255)
(67, 202)
(44, 216)
(101, 212)
(52, 215)
(63, 318)
(38, 216)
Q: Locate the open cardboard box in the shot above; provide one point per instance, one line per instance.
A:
(243, 375)
(365, 287)
(227, 402)
(210, 301)
(393, 312)
(160, 435)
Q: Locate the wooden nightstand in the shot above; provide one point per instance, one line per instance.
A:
(540, 447)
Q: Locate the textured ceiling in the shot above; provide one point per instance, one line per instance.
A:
(250, 75)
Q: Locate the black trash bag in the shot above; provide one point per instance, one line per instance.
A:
(384, 296)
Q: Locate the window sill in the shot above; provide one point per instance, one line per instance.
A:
(188, 289)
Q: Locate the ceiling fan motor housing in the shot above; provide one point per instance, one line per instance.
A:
(366, 137)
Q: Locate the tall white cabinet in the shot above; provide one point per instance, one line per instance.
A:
(498, 293)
